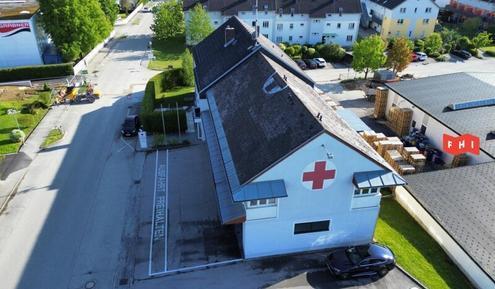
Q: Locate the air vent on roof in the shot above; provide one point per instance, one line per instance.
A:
(471, 104)
(271, 87)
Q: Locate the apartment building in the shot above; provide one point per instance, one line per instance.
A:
(294, 21)
(461, 9)
(407, 18)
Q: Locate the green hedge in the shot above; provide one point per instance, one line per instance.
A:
(152, 120)
(35, 72)
(167, 80)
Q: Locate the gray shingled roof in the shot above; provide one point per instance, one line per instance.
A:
(213, 60)
(315, 8)
(262, 128)
(462, 200)
(433, 94)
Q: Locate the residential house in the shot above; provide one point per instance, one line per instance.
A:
(407, 18)
(289, 172)
(297, 21)
(462, 9)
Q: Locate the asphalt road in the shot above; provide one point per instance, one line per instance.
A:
(72, 219)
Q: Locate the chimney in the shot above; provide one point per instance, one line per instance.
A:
(229, 35)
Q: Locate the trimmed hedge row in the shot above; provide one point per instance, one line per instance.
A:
(152, 120)
(35, 72)
(170, 79)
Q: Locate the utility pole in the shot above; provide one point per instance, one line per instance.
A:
(163, 124)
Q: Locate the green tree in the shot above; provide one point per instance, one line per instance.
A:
(471, 26)
(483, 39)
(75, 26)
(399, 55)
(368, 54)
(433, 44)
(110, 9)
(332, 52)
(187, 68)
(464, 43)
(419, 45)
(199, 25)
(168, 20)
(450, 38)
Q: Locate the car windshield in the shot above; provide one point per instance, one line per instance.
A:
(129, 123)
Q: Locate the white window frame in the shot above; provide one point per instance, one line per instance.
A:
(352, 25)
(403, 10)
(349, 38)
(426, 21)
(400, 21)
(358, 193)
(428, 10)
(280, 26)
(266, 24)
(253, 204)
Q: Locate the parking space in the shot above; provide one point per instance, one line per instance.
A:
(294, 271)
(195, 235)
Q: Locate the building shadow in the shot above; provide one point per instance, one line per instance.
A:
(81, 236)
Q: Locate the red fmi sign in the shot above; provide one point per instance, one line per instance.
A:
(466, 143)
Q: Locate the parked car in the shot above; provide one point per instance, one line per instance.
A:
(366, 260)
(462, 54)
(421, 56)
(414, 57)
(310, 63)
(301, 64)
(146, 9)
(131, 126)
(320, 62)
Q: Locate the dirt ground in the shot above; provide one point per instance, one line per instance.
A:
(16, 92)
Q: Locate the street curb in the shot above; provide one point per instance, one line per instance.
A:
(411, 276)
(12, 193)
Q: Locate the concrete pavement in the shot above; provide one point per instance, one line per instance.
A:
(72, 219)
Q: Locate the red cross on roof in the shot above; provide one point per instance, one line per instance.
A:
(319, 175)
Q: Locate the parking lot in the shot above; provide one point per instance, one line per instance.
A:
(182, 244)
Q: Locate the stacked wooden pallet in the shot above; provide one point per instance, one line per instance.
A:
(391, 143)
(418, 161)
(460, 160)
(399, 120)
(380, 102)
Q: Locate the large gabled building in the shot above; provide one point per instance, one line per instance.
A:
(406, 18)
(289, 172)
(293, 21)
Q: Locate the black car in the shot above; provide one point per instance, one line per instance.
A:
(310, 63)
(131, 126)
(367, 260)
(462, 54)
(301, 64)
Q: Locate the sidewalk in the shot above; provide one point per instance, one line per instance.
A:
(19, 164)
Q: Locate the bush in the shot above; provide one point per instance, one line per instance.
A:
(304, 50)
(31, 108)
(35, 72)
(419, 45)
(474, 52)
(490, 53)
(46, 98)
(282, 46)
(17, 135)
(187, 68)
(312, 53)
(297, 49)
(332, 52)
(447, 48)
(290, 51)
(434, 54)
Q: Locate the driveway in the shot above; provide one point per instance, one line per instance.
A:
(295, 271)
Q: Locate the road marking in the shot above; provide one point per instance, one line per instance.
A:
(159, 227)
(153, 216)
(192, 268)
(126, 144)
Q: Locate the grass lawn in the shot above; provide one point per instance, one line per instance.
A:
(415, 250)
(176, 91)
(27, 122)
(53, 136)
(167, 53)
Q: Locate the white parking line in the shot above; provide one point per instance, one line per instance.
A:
(192, 268)
(166, 214)
(153, 217)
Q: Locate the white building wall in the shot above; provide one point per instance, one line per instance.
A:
(274, 234)
(434, 129)
(415, 12)
(297, 28)
(472, 271)
(20, 49)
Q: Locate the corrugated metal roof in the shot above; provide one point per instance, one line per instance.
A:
(230, 212)
(261, 190)
(379, 178)
(353, 120)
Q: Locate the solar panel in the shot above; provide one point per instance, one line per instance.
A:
(472, 104)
